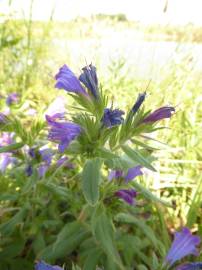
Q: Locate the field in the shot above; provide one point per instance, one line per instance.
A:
(49, 218)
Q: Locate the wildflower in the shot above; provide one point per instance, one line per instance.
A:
(159, 114)
(44, 266)
(42, 169)
(115, 174)
(62, 132)
(12, 98)
(133, 172)
(184, 244)
(31, 152)
(64, 162)
(56, 107)
(2, 118)
(130, 175)
(112, 117)
(127, 195)
(190, 266)
(29, 170)
(89, 79)
(46, 155)
(67, 80)
(138, 103)
(6, 158)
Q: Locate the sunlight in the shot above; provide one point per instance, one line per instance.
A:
(146, 11)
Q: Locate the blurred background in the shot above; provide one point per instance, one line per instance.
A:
(136, 45)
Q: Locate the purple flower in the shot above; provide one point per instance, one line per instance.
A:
(47, 155)
(139, 101)
(115, 174)
(29, 170)
(89, 79)
(31, 152)
(127, 195)
(133, 172)
(190, 266)
(42, 169)
(2, 118)
(184, 244)
(159, 114)
(130, 175)
(57, 107)
(62, 132)
(44, 266)
(64, 162)
(12, 98)
(67, 80)
(6, 139)
(112, 117)
(6, 158)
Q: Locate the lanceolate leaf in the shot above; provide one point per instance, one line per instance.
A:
(71, 235)
(8, 227)
(91, 179)
(11, 147)
(92, 259)
(136, 156)
(149, 195)
(103, 232)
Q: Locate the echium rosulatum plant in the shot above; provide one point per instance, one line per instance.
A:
(102, 137)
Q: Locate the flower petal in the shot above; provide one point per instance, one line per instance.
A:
(67, 80)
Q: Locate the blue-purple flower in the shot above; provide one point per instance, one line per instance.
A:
(128, 195)
(138, 103)
(159, 114)
(12, 98)
(130, 175)
(29, 170)
(112, 117)
(2, 118)
(115, 174)
(184, 244)
(6, 158)
(57, 107)
(68, 81)
(89, 78)
(62, 132)
(64, 161)
(47, 156)
(190, 266)
(44, 266)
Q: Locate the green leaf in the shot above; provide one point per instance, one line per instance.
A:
(103, 233)
(91, 179)
(149, 233)
(121, 163)
(149, 195)
(139, 143)
(104, 153)
(11, 147)
(8, 197)
(136, 156)
(39, 242)
(8, 227)
(92, 259)
(13, 249)
(68, 239)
